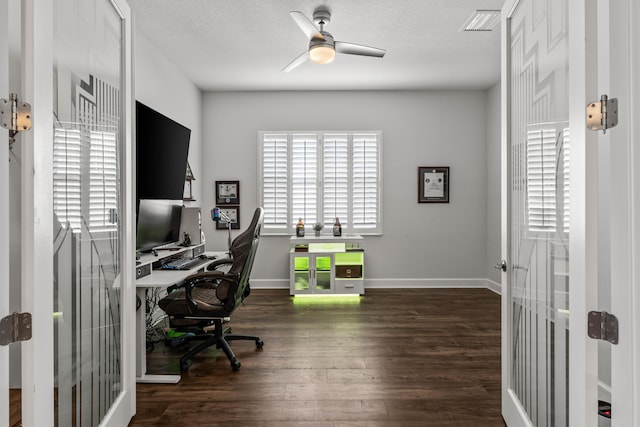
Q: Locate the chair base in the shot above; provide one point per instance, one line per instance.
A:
(220, 338)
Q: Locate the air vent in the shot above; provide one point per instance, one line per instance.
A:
(482, 20)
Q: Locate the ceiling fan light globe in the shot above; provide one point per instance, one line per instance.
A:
(322, 54)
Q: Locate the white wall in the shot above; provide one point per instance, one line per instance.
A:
(160, 85)
(423, 244)
(493, 186)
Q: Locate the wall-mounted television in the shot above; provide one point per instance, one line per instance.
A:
(162, 147)
(158, 223)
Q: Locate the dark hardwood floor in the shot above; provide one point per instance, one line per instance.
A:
(399, 357)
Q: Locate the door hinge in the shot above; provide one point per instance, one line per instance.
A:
(603, 326)
(15, 327)
(14, 115)
(602, 114)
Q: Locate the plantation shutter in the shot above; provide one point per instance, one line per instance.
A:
(275, 181)
(66, 176)
(335, 179)
(320, 176)
(366, 184)
(541, 179)
(103, 177)
(304, 181)
(566, 170)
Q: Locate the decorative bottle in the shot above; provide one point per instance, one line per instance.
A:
(300, 228)
(337, 228)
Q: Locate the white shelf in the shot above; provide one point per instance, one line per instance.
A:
(325, 239)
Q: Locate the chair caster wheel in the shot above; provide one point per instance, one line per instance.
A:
(259, 344)
(235, 365)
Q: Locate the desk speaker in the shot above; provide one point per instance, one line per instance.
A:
(198, 250)
(190, 224)
(143, 270)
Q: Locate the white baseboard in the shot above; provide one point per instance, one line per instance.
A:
(395, 283)
(269, 283)
(424, 283)
(513, 412)
(494, 286)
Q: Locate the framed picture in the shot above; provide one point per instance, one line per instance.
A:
(233, 212)
(433, 184)
(227, 192)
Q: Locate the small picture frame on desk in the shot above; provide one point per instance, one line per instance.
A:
(433, 184)
(233, 212)
(227, 192)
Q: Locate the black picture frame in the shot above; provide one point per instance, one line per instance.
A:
(227, 192)
(234, 214)
(433, 184)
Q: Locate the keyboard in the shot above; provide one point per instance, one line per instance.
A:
(186, 263)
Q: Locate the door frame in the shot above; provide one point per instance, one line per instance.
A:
(124, 408)
(583, 266)
(512, 411)
(624, 51)
(37, 214)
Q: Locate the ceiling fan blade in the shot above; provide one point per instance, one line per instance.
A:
(358, 49)
(306, 25)
(304, 56)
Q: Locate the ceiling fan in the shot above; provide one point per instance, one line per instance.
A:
(322, 46)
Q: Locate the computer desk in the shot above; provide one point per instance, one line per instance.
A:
(158, 279)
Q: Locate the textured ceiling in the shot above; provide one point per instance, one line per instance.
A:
(244, 44)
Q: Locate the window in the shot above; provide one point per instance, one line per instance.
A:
(548, 177)
(321, 176)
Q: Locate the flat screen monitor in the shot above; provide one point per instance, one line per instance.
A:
(158, 223)
(162, 147)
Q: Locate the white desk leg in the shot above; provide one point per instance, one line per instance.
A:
(141, 348)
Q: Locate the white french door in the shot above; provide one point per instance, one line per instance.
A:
(570, 216)
(72, 62)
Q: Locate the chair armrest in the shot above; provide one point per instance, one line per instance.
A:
(209, 278)
(206, 276)
(217, 263)
(192, 281)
